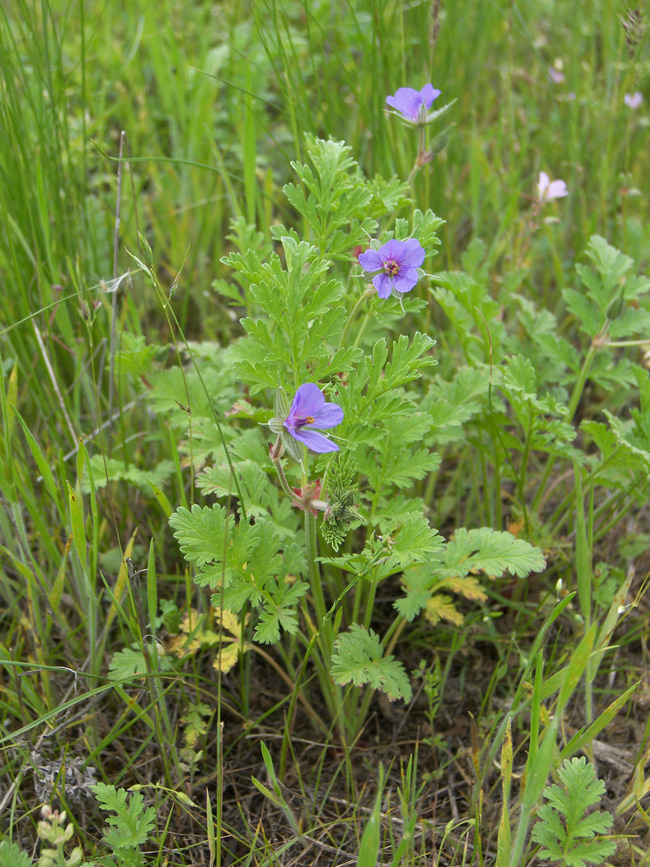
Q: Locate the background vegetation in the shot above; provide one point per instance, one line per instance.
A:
(214, 100)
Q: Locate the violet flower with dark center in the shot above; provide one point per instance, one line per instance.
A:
(397, 263)
(308, 411)
(413, 104)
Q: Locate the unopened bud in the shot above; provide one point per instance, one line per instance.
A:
(438, 144)
(617, 308)
(276, 450)
(75, 857)
(281, 408)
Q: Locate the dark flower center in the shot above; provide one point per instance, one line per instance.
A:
(391, 267)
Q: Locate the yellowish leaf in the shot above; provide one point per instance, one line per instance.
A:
(466, 586)
(193, 636)
(228, 656)
(230, 622)
(441, 607)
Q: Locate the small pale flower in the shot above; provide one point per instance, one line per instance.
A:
(633, 100)
(556, 75)
(396, 264)
(309, 413)
(547, 190)
(413, 104)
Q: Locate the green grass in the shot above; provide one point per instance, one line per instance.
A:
(215, 101)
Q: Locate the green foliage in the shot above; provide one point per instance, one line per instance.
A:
(451, 405)
(492, 552)
(358, 659)
(11, 855)
(489, 435)
(608, 279)
(542, 418)
(130, 663)
(409, 542)
(248, 563)
(568, 833)
(454, 567)
(105, 470)
(342, 494)
(334, 199)
(633, 436)
(539, 339)
(131, 823)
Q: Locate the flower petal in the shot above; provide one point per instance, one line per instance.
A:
(407, 101)
(383, 283)
(392, 250)
(308, 400)
(315, 441)
(370, 260)
(413, 254)
(329, 415)
(633, 100)
(406, 280)
(428, 94)
(556, 190)
(542, 184)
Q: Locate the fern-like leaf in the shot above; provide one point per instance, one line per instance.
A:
(132, 822)
(564, 830)
(358, 659)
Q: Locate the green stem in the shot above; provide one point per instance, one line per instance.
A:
(370, 599)
(369, 291)
(295, 499)
(555, 523)
(524, 459)
(576, 394)
(312, 566)
(497, 488)
(308, 652)
(364, 325)
(581, 381)
(623, 343)
(603, 529)
(419, 160)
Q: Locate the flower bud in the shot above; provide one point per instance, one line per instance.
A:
(617, 308)
(75, 857)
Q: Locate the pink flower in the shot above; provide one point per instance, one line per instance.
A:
(556, 75)
(633, 100)
(547, 190)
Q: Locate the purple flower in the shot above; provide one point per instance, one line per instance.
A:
(413, 104)
(633, 100)
(547, 190)
(397, 263)
(556, 75)
(309, 411)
